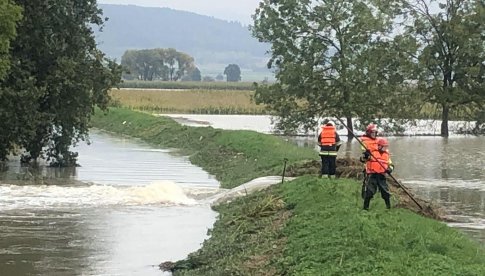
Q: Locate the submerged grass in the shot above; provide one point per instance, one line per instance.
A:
(308, 226)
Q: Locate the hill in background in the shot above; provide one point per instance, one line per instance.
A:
(214, 43)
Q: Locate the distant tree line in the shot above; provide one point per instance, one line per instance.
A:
(168, 65)
(157, 64)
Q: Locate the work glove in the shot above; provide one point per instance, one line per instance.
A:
(390, 169)
(365, 156)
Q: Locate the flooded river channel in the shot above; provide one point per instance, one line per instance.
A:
(130, 207)
(123, 212)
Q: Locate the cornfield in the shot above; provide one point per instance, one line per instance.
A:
(187, 101)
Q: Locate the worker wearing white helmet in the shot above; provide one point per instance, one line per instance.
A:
(329, 142)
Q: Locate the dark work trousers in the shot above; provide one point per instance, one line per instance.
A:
(376, 182)
(329, 164)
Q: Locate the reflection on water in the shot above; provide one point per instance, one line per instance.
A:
(122, 213)
(422, 158)
(99, 241)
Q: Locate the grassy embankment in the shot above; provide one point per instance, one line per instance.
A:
(308, 226)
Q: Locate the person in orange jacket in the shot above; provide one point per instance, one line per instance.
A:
(378, 163)
(329, 142)
(369, 142)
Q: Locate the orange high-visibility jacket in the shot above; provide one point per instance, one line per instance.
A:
(379, 163)
(370, 144)
(327, 136)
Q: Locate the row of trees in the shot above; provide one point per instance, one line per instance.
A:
(160, 64)
(55, 78)
(369, 58)
(167, 65)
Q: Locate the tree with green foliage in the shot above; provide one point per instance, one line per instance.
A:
(331, 58)
(9, 15)
(145, 65)
(233, 73)
(449, 54)
(219, 77)
(193, 75)
(57, 78)
(152, 64)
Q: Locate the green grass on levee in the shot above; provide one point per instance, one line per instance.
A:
(328, 233)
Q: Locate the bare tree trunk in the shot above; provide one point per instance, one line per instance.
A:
(447, 88)
(350, 130)
(348, 152)
(444, 123)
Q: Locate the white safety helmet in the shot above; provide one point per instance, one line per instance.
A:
(327, 122)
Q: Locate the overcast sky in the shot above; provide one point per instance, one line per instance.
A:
(231, 10)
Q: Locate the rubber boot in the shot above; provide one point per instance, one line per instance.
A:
(366, 203)
(388, 203)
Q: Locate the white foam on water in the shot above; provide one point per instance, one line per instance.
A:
(450, 183)
(244, 189)
(474, 223)
(54, 196)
